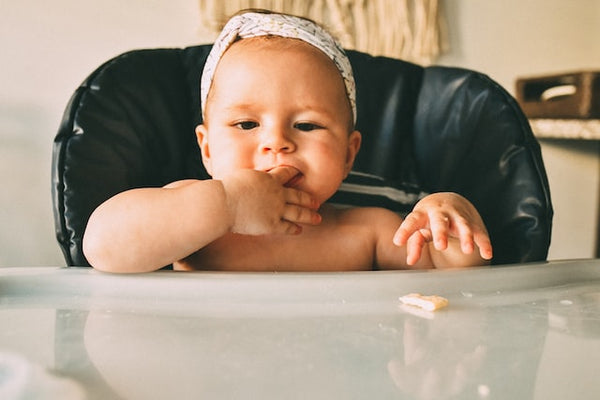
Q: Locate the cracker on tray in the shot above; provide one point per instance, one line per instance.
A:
(429, 303)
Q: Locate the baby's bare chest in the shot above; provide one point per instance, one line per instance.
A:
(345, 249)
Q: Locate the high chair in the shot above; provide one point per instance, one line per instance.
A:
(425, 129)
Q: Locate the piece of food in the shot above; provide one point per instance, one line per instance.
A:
(429, 303)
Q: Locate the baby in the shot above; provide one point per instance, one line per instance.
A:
(278, 138)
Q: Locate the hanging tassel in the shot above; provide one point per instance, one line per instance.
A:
(408, 29)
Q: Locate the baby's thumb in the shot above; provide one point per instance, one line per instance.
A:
(283, 174)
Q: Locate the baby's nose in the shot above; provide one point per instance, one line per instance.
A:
(277, 142)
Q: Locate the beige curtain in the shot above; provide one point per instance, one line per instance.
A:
(412, 30)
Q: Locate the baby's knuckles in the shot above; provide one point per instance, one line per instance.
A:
(255, 201)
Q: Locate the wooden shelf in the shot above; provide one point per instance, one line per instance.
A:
(579, 129)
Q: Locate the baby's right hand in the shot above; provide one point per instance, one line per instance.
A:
(260, 204)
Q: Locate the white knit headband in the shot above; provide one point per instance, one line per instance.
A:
(254, 24)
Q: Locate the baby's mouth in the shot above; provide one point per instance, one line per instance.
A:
(294, 181)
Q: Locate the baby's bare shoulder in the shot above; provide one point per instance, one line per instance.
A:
(380, 222)
(369, 215)
(178, 184)
(381, 225)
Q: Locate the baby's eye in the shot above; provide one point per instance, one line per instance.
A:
(246, 125)
(307, 126)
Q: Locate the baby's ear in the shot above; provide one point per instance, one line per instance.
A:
(202, 137)
(354, 141)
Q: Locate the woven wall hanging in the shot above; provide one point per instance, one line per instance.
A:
(411, 30)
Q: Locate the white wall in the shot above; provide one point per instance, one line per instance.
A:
(49, 47)
(516, 38)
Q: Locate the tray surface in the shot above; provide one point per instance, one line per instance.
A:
(529, 331)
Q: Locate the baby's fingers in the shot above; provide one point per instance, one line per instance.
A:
(411, 224)
(440, 225)
(300, 198)
(471, 236)
(283, 174)
(288, 228)
(301, 215)
(462, 231)
(415, 244)
(482, 240)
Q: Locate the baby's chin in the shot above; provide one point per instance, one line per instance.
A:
(320, 196)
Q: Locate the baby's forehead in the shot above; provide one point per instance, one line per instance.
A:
(287, 54)
(296, 55)
(276, 44)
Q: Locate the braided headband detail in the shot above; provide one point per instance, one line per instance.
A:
(253, 24)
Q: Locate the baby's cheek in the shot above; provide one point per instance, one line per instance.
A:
(329, 182)
(234, 161)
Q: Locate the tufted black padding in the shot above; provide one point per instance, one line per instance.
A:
(131, 124)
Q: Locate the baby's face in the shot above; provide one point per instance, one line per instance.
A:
(279, 102)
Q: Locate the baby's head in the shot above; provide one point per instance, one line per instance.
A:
(278, 91)
(260, 23)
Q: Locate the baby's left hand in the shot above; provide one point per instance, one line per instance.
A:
(438, 217)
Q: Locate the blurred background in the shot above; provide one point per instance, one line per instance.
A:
(48, 48)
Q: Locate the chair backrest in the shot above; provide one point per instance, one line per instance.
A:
(131, 124)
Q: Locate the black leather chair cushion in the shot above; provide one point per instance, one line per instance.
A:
(131, 124)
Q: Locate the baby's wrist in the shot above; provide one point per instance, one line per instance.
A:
(228, 198)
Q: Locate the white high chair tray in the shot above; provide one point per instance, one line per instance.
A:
(515, 332)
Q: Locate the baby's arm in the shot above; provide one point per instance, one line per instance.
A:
(145, 229)
(449, 228)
